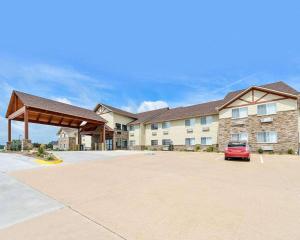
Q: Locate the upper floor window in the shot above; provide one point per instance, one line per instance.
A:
(166, 125)
(206, 120)
(239, 113)
(237, 137)
(267, 109)
(131, 127)
(206, 141)
(190, 141)
(266, 137)
(118, 126)
(124, 127)
(189, 122)
(154, 126)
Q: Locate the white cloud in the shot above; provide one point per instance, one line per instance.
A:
(151, 105)
(62, 100)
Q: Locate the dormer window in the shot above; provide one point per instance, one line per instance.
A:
(239, 113)
(267, 109)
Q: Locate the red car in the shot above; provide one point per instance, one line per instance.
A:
(237, 150)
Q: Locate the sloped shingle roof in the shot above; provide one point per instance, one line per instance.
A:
(58, 107)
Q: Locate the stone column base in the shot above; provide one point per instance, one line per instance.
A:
(8, 145)
(26, 144)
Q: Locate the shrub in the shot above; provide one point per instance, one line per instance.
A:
(41, 150)
(210, 149)
(260, 151)
(197, 148)
(16, 145)
(290, 151)
(50, 158)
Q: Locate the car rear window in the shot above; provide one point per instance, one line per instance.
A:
(237, 144)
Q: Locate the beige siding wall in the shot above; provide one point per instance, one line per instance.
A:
(282, 105)
(113, 118)
(109, 117)
(135, 135)
(121, 119)
(178, 132)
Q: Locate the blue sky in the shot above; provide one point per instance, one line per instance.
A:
(139, 55)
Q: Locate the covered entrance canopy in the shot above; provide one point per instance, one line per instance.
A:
(28, 108)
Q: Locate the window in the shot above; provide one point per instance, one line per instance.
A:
(206, 141)
(239, 113)
(266, 109)
(206, 120)
(189, 122)
(236, 137)
(154, 126)
(124, 127)
(166, 125)
(190, 141)
(118, 126)
(266, 137)
(131, 128)
(154, 142)
(131, 143)
(166, 142)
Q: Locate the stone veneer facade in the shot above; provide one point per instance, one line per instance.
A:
(284, 123)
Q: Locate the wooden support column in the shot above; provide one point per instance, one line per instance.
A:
(104, 137)
(79, 139)
(9, 131)
(26, 135)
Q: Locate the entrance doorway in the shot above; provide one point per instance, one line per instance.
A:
(109, 144)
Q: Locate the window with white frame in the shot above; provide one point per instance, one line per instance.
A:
(206, 141)
(189, 122)
(266, 137)
(132, 143)
(154, 126)
(267, 109)
(131, 127)
(206, 120)
(190, 141)
(166, 125)
(154, 142)
(166, 142)
(239, 113)
(237, 137)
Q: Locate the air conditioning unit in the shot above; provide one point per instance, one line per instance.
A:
(266, 120)
(131, 134)
(267, 148)
(154, 134)
(205, 129)
(165, 132)
(189, 130)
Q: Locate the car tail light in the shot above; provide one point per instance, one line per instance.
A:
(226, 149)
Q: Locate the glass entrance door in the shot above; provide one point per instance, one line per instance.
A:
(109, 144)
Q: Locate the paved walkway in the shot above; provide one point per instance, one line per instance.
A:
(19, 202)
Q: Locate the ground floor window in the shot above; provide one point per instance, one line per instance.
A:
(266, 137)
(190, 141)
(166, 142)
(206, 141)
(237, 137)
(132, 143)
(154, 142)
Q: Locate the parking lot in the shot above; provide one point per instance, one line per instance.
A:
(165, 195)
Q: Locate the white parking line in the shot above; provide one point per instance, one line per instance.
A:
(261, 159)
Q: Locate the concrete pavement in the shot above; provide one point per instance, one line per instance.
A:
(177, 195)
